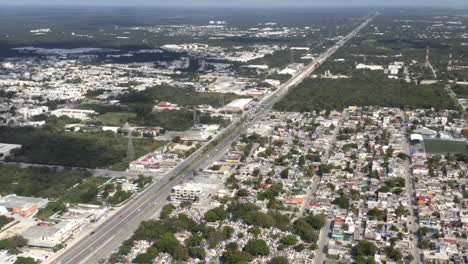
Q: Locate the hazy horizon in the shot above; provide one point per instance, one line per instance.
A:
(244, 3)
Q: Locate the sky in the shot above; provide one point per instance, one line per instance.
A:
(245, 3)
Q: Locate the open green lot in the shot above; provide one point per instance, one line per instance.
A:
(445, 146)
(115, 119)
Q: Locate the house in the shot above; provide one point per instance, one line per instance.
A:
(420, 170)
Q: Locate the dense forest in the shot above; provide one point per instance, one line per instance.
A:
(38, 181)
(89, 150)
(363, 90)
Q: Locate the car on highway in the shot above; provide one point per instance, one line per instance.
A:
(120, 216)
(92, 233)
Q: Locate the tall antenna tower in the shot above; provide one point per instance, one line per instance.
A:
(450, 63)
(428, 63)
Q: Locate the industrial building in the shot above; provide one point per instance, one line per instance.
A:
(51, 234)
(237, 105)
(5, 150)
(21, 205)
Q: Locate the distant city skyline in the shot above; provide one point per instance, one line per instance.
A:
(246, 3)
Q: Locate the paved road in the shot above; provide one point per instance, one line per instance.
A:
(324, 159)
(322, 243)
(110, 235)
(413, 226)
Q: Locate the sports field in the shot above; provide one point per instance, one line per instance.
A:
(445, 146)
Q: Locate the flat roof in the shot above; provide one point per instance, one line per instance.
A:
(4, 147)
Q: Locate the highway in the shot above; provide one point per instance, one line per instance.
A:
(110, 235)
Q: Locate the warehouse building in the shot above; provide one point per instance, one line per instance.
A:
(21, 205)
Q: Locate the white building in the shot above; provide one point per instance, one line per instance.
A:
(27, 112)
(186, 192)
(51, 235)
(369, 67)
(74, 113)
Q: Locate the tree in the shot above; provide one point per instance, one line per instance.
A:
(279, 260)
(289, 240)
(193, 241)
(216, 214)
(197, 252)
(401, 211)
(393, 254)
(228, 232)
(316, 221)
(235, 257)
(166, 211)
(242, 193)
(24, 260)
(342, 202)
(377, 214)
(144, 258)
(365, 248)
(305, 230)
(257, 247)
(254, 231)
(284, 173)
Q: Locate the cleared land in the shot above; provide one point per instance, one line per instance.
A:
(445, 146)
(115, 119)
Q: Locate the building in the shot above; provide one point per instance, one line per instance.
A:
(152, 162)
(27, 112)
(6, 149)
(237, 105)
(22, 205)
(186, 192)
(232, 156)
(50, 234)
(74, 113)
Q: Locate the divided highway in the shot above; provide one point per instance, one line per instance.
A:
(110, 235)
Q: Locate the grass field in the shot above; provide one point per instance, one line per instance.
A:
(445, 146)
(115, 119)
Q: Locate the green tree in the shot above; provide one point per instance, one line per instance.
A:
(289, 240)
(257, 247)
(24, 260)
(216, 214)
(365, 248)
(279, 260)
